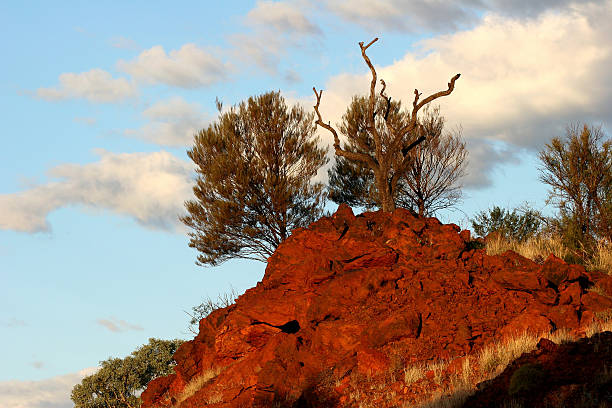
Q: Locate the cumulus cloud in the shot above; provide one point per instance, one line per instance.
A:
(283, 17)
(436, 15)
(116, 325)
(49, 393)
(95, 85)
(522, 81)
(172, 123)
(403, 15)
(149, 187)
(276, 26)
(188, 67)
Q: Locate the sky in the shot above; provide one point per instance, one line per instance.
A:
(99, 102)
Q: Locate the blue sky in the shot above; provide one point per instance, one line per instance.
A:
(99, 103)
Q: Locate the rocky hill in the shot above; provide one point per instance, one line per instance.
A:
(348, 303)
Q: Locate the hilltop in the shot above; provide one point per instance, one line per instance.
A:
(350, 305)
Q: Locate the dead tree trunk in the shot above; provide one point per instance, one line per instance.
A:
(380, 157)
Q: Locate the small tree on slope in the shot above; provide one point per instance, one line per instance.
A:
(119, 381)
(253, 186)
(431, 180)
(578, 168)
(388, 155)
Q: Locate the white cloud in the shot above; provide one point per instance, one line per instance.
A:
(49, 393)
(522, 81)
(172, 123)
(283, 17)
(402, 15)
(95, 85)
(436, 15)
(116, 325)
(188, 67)
(276, 26)
(149, 187)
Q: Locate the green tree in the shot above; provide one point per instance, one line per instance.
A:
(518, 224)
(431, 179)
(578, 168)
(384, 153)
(254, 180)
(118, 382)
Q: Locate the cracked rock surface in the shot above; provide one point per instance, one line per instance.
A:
(353, 294)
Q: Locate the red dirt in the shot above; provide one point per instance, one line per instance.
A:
(353, 299)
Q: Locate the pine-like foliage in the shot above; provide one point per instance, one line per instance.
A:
(428, 183)
(517, 225)
(578, 168)
(254, 180)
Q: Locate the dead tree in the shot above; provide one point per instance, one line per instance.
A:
(381, 157)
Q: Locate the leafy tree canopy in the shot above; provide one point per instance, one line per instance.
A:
(518, 224)
(255, 167)
(119, 381)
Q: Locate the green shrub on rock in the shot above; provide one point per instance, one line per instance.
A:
(525, 379)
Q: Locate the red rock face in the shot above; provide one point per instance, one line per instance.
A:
(358, 294)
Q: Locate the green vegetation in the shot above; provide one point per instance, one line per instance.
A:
(578, 168)
(208, 306)
(254, 169)
(431, 178)
(526, 378)
(381, 138)
(518, 224)
(119, 381)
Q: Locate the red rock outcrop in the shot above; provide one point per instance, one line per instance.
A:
(359, 295)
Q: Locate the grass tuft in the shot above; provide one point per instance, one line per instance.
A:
(196, 384)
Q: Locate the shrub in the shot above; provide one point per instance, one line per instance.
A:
(518, 224)
(527, 378)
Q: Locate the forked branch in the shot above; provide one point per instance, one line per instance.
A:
(339, 151)
(418, 105)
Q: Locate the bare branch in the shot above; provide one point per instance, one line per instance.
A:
(339, 151)
(386, 98)
(451, 86)
(370, 43)
(372, 100)
(320, 120)
(417, 95)
(412, 145)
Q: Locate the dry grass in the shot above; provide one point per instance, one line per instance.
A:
(493, 360)
(538, 248)
(196, 384)
(561, 336)
(413, 373)
(485, 365)
(602, 259)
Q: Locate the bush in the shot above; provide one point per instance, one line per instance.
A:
(208, 306)
(527, 378)
(518, 224)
